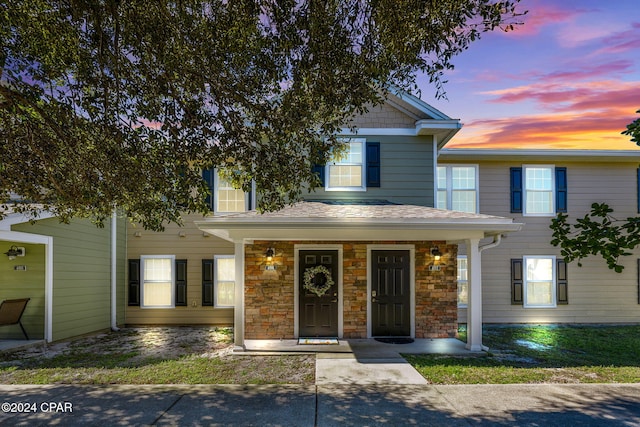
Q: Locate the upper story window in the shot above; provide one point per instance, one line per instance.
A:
(457, 188)
(348, 171)
(538, 190)
(223, 197)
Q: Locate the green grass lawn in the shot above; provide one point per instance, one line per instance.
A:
(541, 354)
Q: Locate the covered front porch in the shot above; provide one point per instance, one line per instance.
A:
(268, 292)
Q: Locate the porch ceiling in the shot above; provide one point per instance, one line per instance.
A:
(336, 221)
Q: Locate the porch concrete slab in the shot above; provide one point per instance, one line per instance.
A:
(362, 347)
(15, 345)
(354, 371)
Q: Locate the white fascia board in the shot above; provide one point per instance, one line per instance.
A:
(578, 155)
(356, 230)
(421, 105)
(18, 218)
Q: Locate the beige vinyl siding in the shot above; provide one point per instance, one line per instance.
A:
(596, 294)
(81, 274)
(386, 116)
(194, 247)
(24, 284)
(406, 173)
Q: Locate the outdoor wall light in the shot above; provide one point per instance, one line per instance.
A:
(14, 251)
(269, 254)
(435, 252)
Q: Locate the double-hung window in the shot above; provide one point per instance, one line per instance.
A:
(224, 280)
(158, 283)
(223, 197)
(457, 188)
(347, 172)
(538, 190)
(463, 282)
(539, 281)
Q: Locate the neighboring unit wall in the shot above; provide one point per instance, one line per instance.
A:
(270, 295)
(189, 243)
(596, 294)
(406, 173)
(81, 274)
(27, 283)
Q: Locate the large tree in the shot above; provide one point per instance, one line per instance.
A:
(599, 232)
(120, 104)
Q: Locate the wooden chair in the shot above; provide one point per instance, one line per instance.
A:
(11, 312)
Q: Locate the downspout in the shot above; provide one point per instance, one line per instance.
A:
(114, 272)
(497, 239)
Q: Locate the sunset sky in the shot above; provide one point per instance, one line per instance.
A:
(568, 78)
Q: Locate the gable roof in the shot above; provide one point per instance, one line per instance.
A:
(425, 119)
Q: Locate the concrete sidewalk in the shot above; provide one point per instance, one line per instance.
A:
(323, 405)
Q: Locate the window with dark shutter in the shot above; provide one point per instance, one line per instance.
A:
(562, 282)
(561, 189)
(516, 282)
(207, 282)
(516, 190)
(319, 170)
(134, 283)
(181, 282)
(373, 164)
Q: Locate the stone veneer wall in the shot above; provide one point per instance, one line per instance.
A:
(269, 295)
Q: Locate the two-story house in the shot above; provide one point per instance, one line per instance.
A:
(525, 279)
(365, 256)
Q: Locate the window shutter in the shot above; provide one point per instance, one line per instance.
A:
(319, 170)
(516, 190)
(562, 282)
(181, 282)
(134, 282)
(516, 282)
(207, 282)
(208, 176)
(373, 164)
(561, 189)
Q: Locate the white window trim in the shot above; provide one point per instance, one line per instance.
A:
(449, 184)
(215, 281)
(524, 190)
(525, 282)
(466, 281)
(363, 175)
(173, 281)
(216, 198)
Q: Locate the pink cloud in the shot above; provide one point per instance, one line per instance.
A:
(568, 131)
(623, 41)
(540, 15)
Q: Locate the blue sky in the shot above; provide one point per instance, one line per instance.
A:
(568, 78)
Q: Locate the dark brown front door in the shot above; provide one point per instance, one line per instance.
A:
(390, 294)
(318, 302)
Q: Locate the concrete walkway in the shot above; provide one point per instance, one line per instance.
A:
(368, 384)
(323, 405)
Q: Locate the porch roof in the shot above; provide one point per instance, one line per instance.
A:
(369, 220)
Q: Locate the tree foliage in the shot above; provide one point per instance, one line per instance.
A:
(599, 232)
(120, 104)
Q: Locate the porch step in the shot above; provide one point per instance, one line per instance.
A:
(318, 341)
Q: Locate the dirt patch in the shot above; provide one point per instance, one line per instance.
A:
(145, 342)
